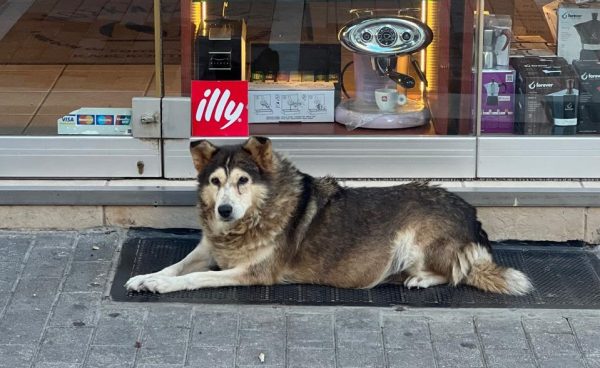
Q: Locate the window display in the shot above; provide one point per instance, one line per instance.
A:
(339, 67)
(556, 48)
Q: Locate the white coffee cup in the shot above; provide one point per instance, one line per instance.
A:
(387, 99)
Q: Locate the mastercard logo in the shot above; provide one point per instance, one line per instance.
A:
(85, 119)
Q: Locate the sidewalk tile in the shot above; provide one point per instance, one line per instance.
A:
(73, 309)
(46, 262)
(163, 345)
(16, 356)
(111, 356)
(211, 357)
(405, 333)
(14, 247)
(35, 294)
(65, 345)
(87, 276)
(311, 358)
(119, 327)
(357, 319)
(249, 355)
(548, 345)
(106, 242)
(310, 331)
(410, 358)
(360, 356)
(214, 329)
(22, 326)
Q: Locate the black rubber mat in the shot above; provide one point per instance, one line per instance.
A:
(565, 275)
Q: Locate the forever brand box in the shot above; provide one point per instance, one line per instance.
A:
(589, 96)
(578, 35)
(546, 96)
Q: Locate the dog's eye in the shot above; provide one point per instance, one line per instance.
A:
(243, 180)
(215, 181)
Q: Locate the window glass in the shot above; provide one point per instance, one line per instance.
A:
(336, 67)
(61, 56)
(541, 68)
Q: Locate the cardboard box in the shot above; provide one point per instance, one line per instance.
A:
(96, 121)
(542, 97)
(498, 101)
(310, 102)
(578, 35)
(589, 96)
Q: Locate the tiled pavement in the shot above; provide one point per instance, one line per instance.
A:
(54, 312)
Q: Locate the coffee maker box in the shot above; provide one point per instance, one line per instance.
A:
(546, 97)
(589, 96)
(578, 35)
(498, 101)
(302, 102)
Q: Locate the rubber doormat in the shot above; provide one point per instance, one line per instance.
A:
(565, 275)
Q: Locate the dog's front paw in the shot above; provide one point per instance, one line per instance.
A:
(160, 284)
(134, 283)
(154, 283)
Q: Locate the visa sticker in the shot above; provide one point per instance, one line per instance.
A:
(69, 119)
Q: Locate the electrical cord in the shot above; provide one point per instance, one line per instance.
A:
(342, 78)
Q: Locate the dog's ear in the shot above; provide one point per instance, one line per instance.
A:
(202, 152)
(261, 151)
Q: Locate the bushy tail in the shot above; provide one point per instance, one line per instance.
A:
(475, 267)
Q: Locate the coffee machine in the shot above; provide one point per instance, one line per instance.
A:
(220, 50)
(376, 42)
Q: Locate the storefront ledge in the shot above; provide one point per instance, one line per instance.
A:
(182, 193)
(525, 223)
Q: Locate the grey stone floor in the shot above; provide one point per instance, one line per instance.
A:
(55, 312)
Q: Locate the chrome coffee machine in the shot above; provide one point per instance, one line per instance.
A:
(220, 50)
(377, 42)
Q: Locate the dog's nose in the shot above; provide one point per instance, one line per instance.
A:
(225, 210)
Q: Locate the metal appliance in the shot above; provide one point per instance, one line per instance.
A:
(376, 43)
(220, 50)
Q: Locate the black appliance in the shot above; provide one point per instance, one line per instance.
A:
(220, 50)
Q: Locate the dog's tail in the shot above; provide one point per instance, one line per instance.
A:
(474, 266)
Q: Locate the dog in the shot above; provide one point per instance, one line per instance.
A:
(264, 222)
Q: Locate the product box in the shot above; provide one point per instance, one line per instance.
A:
(589, 96)
(96, 121)
(531, 46)
(578, 35)
(310, 102)
(546, 97)
(498, 101)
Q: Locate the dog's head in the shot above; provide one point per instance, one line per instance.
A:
(232, 179)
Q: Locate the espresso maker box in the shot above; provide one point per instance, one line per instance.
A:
(578, 35)
(498, 101)
(310, 102)
(589, 96)
(546, 97)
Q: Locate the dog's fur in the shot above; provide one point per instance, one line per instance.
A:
(288, 227)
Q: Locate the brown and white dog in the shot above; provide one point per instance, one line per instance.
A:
(264, 222)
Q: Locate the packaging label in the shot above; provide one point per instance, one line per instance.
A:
(219, 109)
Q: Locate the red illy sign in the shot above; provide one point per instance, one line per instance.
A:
(219, 109)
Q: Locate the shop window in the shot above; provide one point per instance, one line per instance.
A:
(337, 67)
(541, 68)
